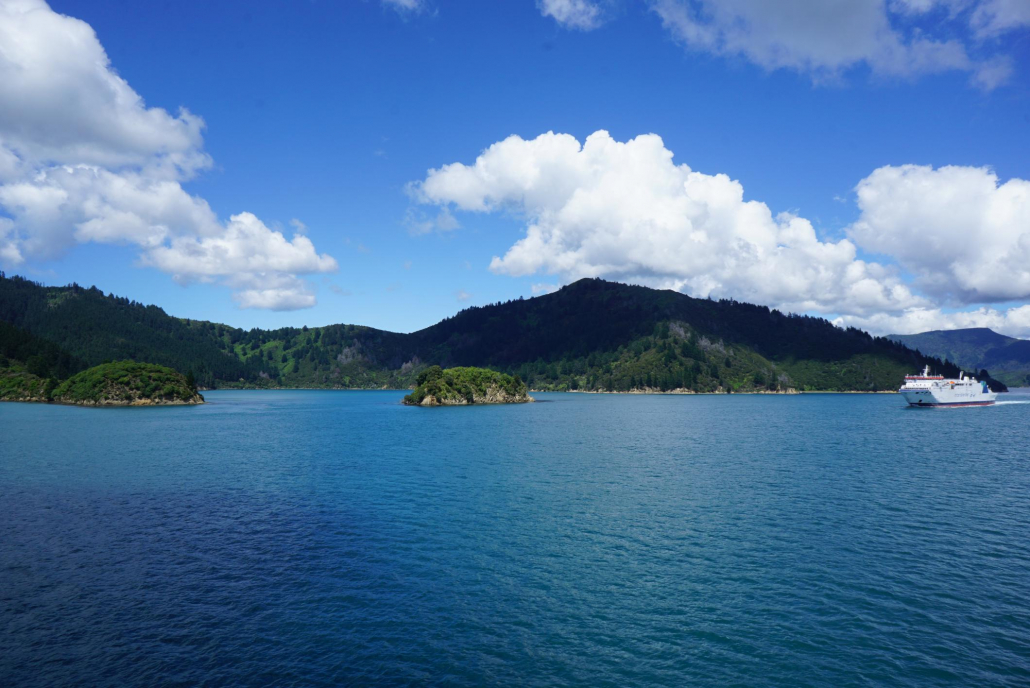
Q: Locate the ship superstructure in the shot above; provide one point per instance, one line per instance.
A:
(935, 391)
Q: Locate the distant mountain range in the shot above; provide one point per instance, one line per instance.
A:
(592, 335)
(1007, 358)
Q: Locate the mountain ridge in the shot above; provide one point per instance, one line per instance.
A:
(1008, 358)
(591, 335)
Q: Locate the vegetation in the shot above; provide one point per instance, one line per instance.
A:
(435, 386)
(37, 356)
(976, 348)
(95, 328)
(32, 369)
(127, 382)
(17, 384)
(592, 335)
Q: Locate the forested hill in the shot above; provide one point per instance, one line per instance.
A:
(591, 335)
(1007, 358)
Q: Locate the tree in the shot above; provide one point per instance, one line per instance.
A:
(430, 374)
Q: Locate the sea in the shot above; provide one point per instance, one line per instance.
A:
(316, 538)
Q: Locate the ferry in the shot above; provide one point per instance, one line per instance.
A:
(934, 391)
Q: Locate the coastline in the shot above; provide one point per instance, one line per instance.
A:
(139, 403)
(791, 392)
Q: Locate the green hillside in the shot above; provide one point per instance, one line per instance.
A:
(976, 348)
(34, 369)
(591, 335)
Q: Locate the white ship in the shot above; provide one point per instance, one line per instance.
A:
(933, 390)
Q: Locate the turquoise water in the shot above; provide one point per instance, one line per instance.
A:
(321, 538)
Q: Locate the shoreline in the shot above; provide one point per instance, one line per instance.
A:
(547, 391)
(131, 404)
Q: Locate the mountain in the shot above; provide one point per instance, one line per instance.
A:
(1007, 358)
(590, 335)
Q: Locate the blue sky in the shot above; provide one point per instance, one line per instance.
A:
(333, 113)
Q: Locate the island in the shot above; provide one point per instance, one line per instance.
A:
(436, 386)
(122, 383)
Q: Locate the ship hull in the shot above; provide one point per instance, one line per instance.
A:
(928, 399)
(956, 404)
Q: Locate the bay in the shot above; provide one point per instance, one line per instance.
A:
(325, 538)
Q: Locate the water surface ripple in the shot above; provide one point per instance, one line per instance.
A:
(320, 538)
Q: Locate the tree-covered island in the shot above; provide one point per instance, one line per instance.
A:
(435, 386)
(122, 383)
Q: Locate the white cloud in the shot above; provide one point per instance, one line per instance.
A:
(246, 246)
(62, 102)
(9, 252)
(1014, 322)
(420, 223)
(83, 159)
(829, 37)
(626, 211)
(994, 17)
(543, 288)
(406, 6)
(462, 295)
(962, 233)
(272, 291)
(572, 14)
(59, 206)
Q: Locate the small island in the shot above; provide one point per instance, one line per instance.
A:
(463, 386)
(122, 383)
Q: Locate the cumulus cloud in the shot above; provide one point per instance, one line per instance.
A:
(962, 233)
(572, 14)
(271, 291)
(825, 39)
(245, 247)
(83, 159)
(63, 104)
(951, 237)
(626, 211)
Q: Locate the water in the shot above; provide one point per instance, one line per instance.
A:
(322, 538)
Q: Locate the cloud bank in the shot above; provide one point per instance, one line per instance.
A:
(627, 211)
(83, 159)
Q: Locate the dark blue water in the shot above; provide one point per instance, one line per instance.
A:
(338, 537)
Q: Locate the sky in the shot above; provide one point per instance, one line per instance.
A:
(390, 162)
